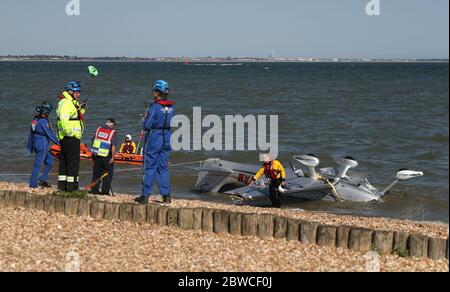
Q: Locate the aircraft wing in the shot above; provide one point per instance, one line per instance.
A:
(249, 193)
(297, 187)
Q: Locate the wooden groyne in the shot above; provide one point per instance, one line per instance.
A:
(237, 223)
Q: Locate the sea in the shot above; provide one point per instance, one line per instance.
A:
(386, 115)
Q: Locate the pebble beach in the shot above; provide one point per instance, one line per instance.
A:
(36, 241)
(33, 240)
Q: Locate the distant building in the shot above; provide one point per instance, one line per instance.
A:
(272, 56)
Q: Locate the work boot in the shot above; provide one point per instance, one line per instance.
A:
(62, 186)
(44, 184)
(167, 200)
(141, 200)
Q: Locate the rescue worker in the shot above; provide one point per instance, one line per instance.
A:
(275, 173)
(41, 134)
(157, 144)
(103, 151)
(128, 146)
(70, 130)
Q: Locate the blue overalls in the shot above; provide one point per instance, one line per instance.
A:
(38, 141)
(157, 147)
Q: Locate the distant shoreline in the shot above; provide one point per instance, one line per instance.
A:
(232, 61)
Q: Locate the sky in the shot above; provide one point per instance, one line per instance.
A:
(293, 28)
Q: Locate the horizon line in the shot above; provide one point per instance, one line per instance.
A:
(221, 58)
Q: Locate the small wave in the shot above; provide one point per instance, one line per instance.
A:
(439, 138)
(233, 64)
(429, 156)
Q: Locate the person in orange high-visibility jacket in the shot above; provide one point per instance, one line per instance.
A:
(274, 171)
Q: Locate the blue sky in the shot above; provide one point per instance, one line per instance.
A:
(148, 28)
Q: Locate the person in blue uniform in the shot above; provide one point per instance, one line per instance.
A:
(39, 142)
(157, 144)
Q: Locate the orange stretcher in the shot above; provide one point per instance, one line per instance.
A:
(85, 153)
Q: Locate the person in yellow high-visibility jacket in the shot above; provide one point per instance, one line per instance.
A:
(275, 173)
(128, 146)
(70, 130)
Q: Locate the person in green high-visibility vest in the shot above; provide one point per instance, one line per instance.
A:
(104, 146)
(70, 130)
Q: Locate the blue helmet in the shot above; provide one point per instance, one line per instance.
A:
(73, 86)
(44, 108)
(162, 86)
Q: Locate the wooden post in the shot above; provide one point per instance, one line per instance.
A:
(266, 226)
(418, 245)
(139, 213)
(293, 229)
(97, 209)
(235, 223)
(186, 219)
(162, 215)
(198, 214)
(126, 212)
(59, 205)
(308, 232)
(437, 248)
(20, 199)
(50, 204)
(152, 214)
(383, 241)
(220, 224)
(84, 208)
(446, 256)
(343, 234)
(172, 217)
(40, 202)
(208, 220)
(280, 228)
(112, 211)
(326, 235)
(12, 198)
(401, 241)
(30, 201)
(7, 199)
(71, 206)
(249, 224)
(360, 239)
(2, 198)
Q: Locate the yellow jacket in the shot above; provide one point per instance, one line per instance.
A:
(125, 148)
(70, 123)
(274, 170)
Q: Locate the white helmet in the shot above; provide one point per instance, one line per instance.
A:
(267, 158)
(128, 137)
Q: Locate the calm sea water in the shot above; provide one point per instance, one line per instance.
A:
(388, 116)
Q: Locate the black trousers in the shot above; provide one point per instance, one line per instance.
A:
(69, 164)
(102, 166)
(274, 193)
